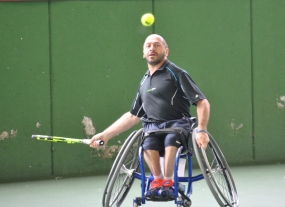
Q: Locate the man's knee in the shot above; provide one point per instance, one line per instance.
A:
(172, 140)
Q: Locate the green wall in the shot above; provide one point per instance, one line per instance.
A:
(268, 59)
(24, 90)
(63, 60)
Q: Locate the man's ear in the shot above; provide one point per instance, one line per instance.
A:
(166, 52)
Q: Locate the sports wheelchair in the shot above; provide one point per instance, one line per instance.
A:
(129, 165)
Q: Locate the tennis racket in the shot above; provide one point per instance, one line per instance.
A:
(65, 139)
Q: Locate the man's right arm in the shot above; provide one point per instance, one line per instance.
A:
(124, 123)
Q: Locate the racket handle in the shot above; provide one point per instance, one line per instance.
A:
(88, 141)
(100, 142)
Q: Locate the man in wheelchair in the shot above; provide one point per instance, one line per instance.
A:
(162, 101)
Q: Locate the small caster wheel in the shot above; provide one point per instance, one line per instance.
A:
(187, 203)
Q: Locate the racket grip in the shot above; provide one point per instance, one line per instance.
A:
(88, 141)
(100, 142)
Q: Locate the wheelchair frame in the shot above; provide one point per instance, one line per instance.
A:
(129, 165)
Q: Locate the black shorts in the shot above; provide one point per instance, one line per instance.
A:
(159, 142)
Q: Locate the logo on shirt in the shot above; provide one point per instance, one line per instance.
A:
(150, 90)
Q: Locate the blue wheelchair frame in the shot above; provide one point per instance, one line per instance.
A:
(146, 180)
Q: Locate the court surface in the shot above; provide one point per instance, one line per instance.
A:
(258, 186)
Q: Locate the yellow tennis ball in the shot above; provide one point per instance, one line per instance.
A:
(147, 19)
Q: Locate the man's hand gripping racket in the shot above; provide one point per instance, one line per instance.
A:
(66, 140)
(94, 140)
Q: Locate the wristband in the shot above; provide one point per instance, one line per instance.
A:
(198, 131)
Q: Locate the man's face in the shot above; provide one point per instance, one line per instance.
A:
(154, 50)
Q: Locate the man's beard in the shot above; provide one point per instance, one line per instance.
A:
(157, 61)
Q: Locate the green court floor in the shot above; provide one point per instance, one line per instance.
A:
(258, 186)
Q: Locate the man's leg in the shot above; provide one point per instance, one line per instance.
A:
(152, 159)
(172, 142)
(169, 160)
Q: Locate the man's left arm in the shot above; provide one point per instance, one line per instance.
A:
(203, 113)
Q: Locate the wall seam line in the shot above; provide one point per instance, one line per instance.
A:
(51, 89)
(252, 81)
(153, 27)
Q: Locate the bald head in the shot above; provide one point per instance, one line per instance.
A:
(156, 37)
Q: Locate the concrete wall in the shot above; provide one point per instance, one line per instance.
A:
(63, 60)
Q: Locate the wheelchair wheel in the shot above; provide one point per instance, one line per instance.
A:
(121, 178)
(115, 163)
(216, 172)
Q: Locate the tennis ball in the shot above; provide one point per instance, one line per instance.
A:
(147, 19)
